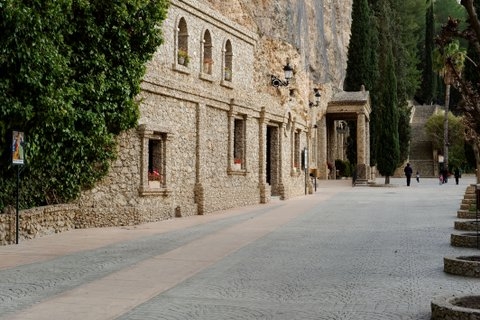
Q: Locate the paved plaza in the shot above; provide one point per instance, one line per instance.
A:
(341, 253)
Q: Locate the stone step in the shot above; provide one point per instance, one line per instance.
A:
(469, 201)
(421, 150)
(468, 206)
(466, 214)
(425, 167)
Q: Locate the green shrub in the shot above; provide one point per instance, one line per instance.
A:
(70, 72)
(344, 168)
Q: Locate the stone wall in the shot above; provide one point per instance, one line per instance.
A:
(188, 114)
(194, 110)
(47, 220)
(36, 222)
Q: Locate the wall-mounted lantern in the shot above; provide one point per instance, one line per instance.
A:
(288, 71)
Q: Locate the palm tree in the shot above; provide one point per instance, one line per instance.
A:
(448, 61)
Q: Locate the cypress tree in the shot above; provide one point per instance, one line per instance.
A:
(388, 149)
(387, 116)
(362, 63)
(429, 78)
(359, 65)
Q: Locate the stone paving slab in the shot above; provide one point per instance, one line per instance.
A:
(343, 253)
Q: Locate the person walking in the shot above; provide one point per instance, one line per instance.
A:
(418, 176)
(445, 175)
(457, 174)
(408, 173)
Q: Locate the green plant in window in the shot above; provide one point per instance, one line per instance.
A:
(183, 57)
(228, 73)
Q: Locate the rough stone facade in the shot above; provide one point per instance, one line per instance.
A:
(228, 141)
(36, 222)
(213, 132)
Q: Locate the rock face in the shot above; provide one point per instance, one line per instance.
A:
(313, 33)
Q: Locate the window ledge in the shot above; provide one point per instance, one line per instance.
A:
(237, 172)
(206, 77)
(227, 84)
(146, 191)
(181, 68)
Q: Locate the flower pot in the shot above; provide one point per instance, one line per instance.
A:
(228, 75)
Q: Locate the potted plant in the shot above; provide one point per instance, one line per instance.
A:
(228, 74)
(183, 57)
(155, 179)
(237, 163)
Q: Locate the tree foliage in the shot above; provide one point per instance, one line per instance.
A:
(406, 26)
(445, 9)
(449, 59)
(434, 130)
(387, 139)
(392, 26)
(427, 93)
(456, 137)
(361, 64)
(69, 75)
(468, 86)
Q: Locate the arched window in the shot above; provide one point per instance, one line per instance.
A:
(228, 58)
(207, 52)
(183, 57)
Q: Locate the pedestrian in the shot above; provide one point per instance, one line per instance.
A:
(408, 173)
(418, 176)
(457, 174)
(445, 175)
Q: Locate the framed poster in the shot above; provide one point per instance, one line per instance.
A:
(18, 147)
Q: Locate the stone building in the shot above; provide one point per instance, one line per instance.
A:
(220, 127)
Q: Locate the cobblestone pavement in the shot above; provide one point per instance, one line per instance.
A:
(342, 253)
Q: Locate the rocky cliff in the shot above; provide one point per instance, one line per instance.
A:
(314, 34)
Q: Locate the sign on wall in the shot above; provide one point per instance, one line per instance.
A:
(18, 147)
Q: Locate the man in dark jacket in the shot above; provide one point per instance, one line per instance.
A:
(408, 173)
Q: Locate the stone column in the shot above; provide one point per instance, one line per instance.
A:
(281, 154)
(231, 126)
(322, 148)
(262, 132)
(331, 136)
(367, 148)
(201, 112)
(362, 145)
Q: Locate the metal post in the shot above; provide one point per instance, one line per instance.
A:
(306, 180)
(17, 215)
